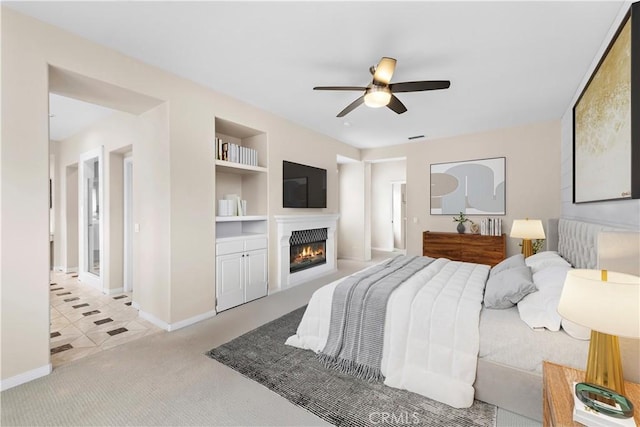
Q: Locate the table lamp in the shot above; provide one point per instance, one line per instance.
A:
(609, 304)
(527, 229)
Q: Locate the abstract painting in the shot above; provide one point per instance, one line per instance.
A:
(602, 126)
(473, 187)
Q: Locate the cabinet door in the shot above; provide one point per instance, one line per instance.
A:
(255, 274)
(229, 281)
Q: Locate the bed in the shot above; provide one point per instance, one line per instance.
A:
(507, 353)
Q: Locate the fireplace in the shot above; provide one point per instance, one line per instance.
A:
(307, 249)
(305, 229)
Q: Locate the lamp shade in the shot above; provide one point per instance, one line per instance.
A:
(611, 307)
(527, 229)
(377, 96)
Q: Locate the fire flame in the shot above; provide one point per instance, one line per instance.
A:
(309, 252)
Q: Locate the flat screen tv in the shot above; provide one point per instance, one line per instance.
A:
(303, 186)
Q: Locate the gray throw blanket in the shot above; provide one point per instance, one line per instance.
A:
(356, 330)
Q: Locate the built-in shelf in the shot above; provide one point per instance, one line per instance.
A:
(238, 168)
(242, 242)
(241, 218)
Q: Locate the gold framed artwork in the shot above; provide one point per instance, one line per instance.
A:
(606, 126)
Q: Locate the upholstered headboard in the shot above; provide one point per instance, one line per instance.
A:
(619, 251)
(578, 242)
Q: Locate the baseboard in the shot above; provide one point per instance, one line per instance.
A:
(190, 321)
(25, 377)
(135, 305)
(114, 291)
(177, 325)
(153, 319)
(388, 249)
(69, 270)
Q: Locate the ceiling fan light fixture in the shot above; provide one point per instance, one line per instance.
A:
(377, 97)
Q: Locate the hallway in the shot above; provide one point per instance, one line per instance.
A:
(84, 321)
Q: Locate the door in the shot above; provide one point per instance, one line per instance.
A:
(399, 217)
(128, 225)
(255, 274)
(229, 281)
(90, 227)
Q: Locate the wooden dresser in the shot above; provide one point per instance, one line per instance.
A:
(464, 247)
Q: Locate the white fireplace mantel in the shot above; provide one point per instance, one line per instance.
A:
(287, 224)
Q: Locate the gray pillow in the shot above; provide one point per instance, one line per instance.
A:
(505, 288)
(511, 262)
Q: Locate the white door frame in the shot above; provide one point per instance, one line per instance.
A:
(128, 224)
(84, 275)
(402, 216)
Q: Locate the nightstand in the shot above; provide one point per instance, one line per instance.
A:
(557, 395)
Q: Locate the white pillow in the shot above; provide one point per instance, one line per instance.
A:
(540, 309)
(545, 259)
(578, 332)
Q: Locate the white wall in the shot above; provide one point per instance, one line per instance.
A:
(532, 175)
(382, 175)
(621, 213)
(354, 225)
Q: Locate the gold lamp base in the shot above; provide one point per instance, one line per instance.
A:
(527, 248)
(604, 366)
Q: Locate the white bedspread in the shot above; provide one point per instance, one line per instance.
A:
(431, 338)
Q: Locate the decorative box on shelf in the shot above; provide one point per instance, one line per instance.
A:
(591, 418)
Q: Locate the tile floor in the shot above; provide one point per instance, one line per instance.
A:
(84, 321)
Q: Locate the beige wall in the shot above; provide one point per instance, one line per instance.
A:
(175, 207)
(532, 173)
(116, 133)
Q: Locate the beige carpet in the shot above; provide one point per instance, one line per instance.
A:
(166, 379)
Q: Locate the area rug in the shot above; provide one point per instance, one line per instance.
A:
(339, 399)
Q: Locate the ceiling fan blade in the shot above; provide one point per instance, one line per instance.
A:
(396, 105)
(384, 70)
(419, 86)
(351, 107)
(339, 88)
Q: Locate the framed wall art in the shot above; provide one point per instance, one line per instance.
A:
(606, 126)
(473, 187)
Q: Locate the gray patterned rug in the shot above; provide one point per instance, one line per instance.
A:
(339, 399)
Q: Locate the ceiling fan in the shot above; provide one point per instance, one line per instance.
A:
(380, 92)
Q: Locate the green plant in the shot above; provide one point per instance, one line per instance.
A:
(536, 245)
(462, 218)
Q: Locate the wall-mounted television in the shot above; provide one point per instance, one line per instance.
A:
(303, 186)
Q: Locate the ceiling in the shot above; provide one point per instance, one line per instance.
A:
(68, 116)
(509, 63)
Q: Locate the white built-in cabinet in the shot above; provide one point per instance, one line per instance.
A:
(241, 271)
(242, 240)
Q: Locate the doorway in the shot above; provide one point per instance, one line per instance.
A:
(399, 216)
(90, 229)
